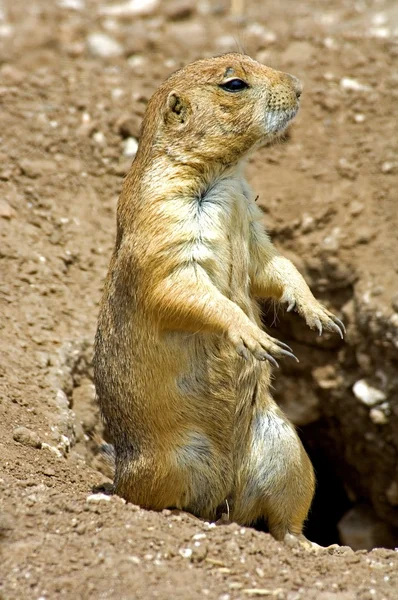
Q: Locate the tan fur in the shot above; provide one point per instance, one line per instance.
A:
(180, 367)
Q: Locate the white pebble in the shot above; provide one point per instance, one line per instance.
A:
(132, 7)
(387, 167)
(378, 416)
(330, 43)
(99, 138)
(117, 93)
(134, 559)
(199, 536)
(98, 498)
(52, 449)
(379, 19)
(379, 32)
(347, 83)
(367, 394)
(6, 30)
(103, 45)
(71, 4)
(136, 61)
(185, 552)
(130, 147)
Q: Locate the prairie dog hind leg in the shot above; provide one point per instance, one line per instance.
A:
(275, 478)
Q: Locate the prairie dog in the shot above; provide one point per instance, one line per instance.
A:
(182, 364)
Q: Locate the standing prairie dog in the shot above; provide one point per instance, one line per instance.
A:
(182, 364)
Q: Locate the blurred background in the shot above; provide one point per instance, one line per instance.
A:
(75, 77)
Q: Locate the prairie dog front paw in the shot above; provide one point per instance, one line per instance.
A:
(249, 338)
(315, 314)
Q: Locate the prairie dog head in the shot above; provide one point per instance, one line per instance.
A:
(220, 108)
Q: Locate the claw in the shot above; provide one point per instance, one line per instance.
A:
(319, 326)
(270, 359)
(336, 328)
(340, 324)
(243, 351)
(290, 354)
(283, 345)
(292, 304)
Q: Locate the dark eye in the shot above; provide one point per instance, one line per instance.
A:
(234, 85)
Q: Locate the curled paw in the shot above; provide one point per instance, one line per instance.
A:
(318, 317)
(250, 339)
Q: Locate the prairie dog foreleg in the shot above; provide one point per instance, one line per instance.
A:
(274, 276)
(188, 300)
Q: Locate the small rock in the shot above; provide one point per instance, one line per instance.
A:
(347, 83)
(331, 242)
(130, 8)
(71, 4)
(61, 399)
(27, 437)
(130, 147)
(128, 127)
(138, 63)
(199, 551)
(379, 32)
(325, 377)
(388, 167)
(96, 498)
(377, 290)
(367, 394)
(359, 118)
(365, 234)
(6, 524)
(356, 208)
(307, 223)
(347, 169)
(35, 167)
(179, 9)
(6, 212)
(12, 75)
(263, 35)
(103, 46)
(99, 138)
(81, 529)
(52, 449)
(49, 472)
(378, 416)
(185, 552)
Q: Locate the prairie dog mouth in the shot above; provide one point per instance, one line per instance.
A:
(278, 120)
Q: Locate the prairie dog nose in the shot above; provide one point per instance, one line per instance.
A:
(297, 85)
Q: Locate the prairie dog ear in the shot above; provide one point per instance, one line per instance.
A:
(178, 109)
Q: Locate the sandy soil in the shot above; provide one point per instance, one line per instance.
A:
(71, 105)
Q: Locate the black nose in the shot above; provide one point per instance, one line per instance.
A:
(297, 85)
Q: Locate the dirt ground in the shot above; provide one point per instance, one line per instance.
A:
(71, 105)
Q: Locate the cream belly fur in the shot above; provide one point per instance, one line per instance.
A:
(182, 366)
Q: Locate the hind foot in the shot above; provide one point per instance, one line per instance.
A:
(300, 541)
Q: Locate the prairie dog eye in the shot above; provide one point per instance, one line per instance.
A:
(234, 85)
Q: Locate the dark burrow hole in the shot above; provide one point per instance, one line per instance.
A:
(330, 502)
